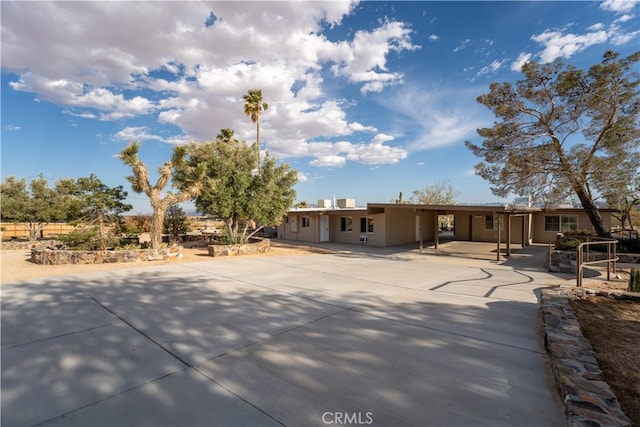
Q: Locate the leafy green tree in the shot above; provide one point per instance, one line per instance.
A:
(35, 206)
(253, 107)
(621, 189)
(186, 177)
(234, 193)
(99, 206)
(440, 193)
(175, 222)
(560, 129)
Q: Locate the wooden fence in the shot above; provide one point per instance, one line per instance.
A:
(17, 230)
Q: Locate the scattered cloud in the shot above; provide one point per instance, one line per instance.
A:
(463, 45)
(302, 177)
(184, 79)
(491, 68)
(433, 37)
(562, 44)
(12, 128)
(619, 6)
(523, 58)
(559, 45)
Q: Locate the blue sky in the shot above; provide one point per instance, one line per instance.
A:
(366, 99)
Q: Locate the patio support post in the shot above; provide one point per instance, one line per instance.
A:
(508, 235)
(497, 219)
(436, 229)
(420, 229)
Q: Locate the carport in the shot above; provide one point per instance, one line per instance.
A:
(466, 222)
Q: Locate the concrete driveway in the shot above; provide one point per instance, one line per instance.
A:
(356, 338)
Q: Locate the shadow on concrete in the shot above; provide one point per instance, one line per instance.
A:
(175, 346)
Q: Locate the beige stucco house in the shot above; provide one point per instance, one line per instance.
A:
(388, 224)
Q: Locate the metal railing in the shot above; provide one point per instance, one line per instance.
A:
(611, 257)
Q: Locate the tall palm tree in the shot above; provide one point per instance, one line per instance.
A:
(253, 107)
(190, 184)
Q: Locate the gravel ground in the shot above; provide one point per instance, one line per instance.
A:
(16, 265)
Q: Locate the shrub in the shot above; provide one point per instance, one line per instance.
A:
(629, 246)
(634, 280)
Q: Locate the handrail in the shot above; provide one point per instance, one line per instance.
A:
(611, 259)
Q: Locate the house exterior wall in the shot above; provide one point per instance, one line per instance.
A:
(400, 226)
(472, 227)
(462, 226)
(540, 235)
(292, 228)
(353, 237)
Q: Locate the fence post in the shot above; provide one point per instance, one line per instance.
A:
(579, 266)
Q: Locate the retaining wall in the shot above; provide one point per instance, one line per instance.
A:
(57, 257)
(257, 247)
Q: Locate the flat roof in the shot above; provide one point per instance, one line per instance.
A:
(445, 209)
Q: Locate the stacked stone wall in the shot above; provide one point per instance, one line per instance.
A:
(257, 247)
(58, 257)
(21, 245)
(588, 399)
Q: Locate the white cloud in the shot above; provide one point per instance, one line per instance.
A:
(463, 45)
(619, 6)
(523, 58)
(329, 161)
(440, 115)
(302, 177)
(136, 133)
(624, 18)
(557, 44)
(336, 154)
(365, 60)
(193, 76)
(566, 45)
(12, 128)
(433, 37)
(491, 68)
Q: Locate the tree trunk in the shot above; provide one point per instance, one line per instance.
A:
(157, 226)
(593, 213)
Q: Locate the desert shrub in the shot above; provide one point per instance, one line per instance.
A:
(631, 246)
(634, 280)
(569, 244)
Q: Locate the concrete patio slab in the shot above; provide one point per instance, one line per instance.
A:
(185, 398)
(411, 340)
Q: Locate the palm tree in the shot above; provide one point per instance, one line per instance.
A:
(253, 108)
(190, 184)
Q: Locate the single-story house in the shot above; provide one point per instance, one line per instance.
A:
(390, 224)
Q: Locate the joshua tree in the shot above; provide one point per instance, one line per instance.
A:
(190, 178)
(253, 107)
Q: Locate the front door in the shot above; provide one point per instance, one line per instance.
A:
(324, 228)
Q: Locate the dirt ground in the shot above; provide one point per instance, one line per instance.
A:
(613, 328)
(15, 265)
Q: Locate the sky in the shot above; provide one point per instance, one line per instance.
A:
(366, 99)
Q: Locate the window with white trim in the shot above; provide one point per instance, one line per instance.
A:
(560, 223)
(488, 222)
(346, 224)
(366, 224)
(306, 222)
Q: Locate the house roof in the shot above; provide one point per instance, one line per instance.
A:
(375, 208)
(450, 209)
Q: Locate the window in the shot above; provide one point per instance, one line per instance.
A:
(366, 225)
(306, 222)
(560, 223)
(346, 224)
(488, 222)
